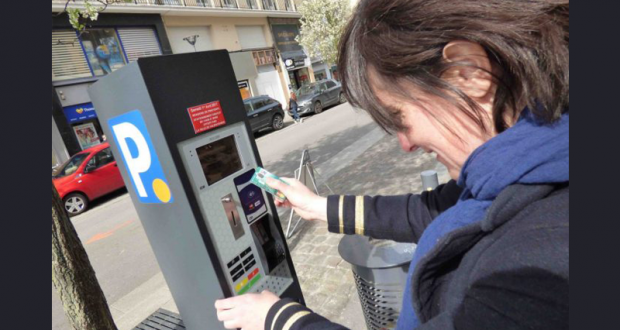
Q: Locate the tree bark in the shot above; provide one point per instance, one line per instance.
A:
(74, 277)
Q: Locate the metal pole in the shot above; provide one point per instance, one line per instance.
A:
(430, 180)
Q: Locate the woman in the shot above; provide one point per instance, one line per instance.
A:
(292, 104)
(484, 85)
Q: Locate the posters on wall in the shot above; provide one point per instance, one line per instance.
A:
(87, 135)
(244, 88)
(102, 50)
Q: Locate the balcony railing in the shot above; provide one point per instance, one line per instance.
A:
(272, 5)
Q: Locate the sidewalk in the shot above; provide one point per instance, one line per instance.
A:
(372, 164)
(326, 280)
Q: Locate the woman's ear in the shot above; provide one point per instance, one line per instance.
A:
(471, 74)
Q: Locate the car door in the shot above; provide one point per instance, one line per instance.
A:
(332, 92)
(260, 108)
(272, 109)
(104, 178)
(252, 117)
(323, 95)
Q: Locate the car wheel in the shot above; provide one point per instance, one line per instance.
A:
(277, 122)
(75, 203)
(342, 99)
(318, 108)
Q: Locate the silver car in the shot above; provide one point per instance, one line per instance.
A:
(316, 96)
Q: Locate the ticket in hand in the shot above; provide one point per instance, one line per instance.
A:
(259, 180)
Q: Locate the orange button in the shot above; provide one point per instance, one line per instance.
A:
(253, 273)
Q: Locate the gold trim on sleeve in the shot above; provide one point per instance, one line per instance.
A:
(294, 318)
(341, 214)
(275, 318)
(359, 215)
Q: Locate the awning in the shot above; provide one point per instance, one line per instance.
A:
(294, 55)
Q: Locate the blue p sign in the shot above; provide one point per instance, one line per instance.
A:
(140, 158)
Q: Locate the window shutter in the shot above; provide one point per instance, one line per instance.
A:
(139, 42)
(251, 36)
(68, 59)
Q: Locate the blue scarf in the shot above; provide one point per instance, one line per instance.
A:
(528, 153)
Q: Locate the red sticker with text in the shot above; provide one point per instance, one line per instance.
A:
(206, 116)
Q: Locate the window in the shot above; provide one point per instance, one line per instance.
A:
(229, 3)
(251, 4)
(330, 84)
(269, 5)
(68, 61)
(248, 107)
(99, 51)
(103, 50)
(70, 166)
(104, 157)
(263, 57)
(259, 103)
(139, 42)
(251, 36)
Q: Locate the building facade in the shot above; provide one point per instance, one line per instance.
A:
(257, 33)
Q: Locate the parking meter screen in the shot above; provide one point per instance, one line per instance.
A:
(219, 159)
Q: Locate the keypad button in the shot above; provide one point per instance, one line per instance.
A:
(250, 265)
(233, 262)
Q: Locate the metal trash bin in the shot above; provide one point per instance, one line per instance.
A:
(380, 271)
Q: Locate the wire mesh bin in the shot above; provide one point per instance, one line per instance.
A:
(380, 271)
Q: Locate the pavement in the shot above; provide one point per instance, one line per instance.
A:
(358, 160)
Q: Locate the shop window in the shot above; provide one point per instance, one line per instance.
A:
(263, 57)
(103, 51)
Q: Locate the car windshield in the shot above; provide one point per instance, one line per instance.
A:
(70, 166)
(306, 90)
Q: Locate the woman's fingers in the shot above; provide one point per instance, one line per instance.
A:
(234, 324)
(226, 314)
(277, 184)
(228, 303)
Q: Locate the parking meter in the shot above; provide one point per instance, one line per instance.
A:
(178, 129)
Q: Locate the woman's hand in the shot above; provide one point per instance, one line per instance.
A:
(305, 203)
(247, 312)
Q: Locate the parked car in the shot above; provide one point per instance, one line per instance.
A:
(87, 175)
(317, 96)
(264, 112)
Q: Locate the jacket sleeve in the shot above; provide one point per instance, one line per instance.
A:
(400, 218)
(287, 314)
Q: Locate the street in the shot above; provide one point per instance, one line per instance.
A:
(120, 252)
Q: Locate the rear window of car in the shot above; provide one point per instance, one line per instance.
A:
(259, 103)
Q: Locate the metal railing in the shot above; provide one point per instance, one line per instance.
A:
(272, 5)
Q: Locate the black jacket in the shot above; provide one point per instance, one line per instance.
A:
(508, 271)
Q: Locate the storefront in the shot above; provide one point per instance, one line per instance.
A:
(292, 55)
(112, 42)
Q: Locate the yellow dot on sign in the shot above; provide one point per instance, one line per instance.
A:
(161, 190)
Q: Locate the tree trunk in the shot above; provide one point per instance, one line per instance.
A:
(73, 276)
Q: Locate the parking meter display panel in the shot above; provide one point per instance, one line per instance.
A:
(220, 165)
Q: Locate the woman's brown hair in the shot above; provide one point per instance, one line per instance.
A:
(403, 41)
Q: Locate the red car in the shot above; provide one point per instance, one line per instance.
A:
(87, 175)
